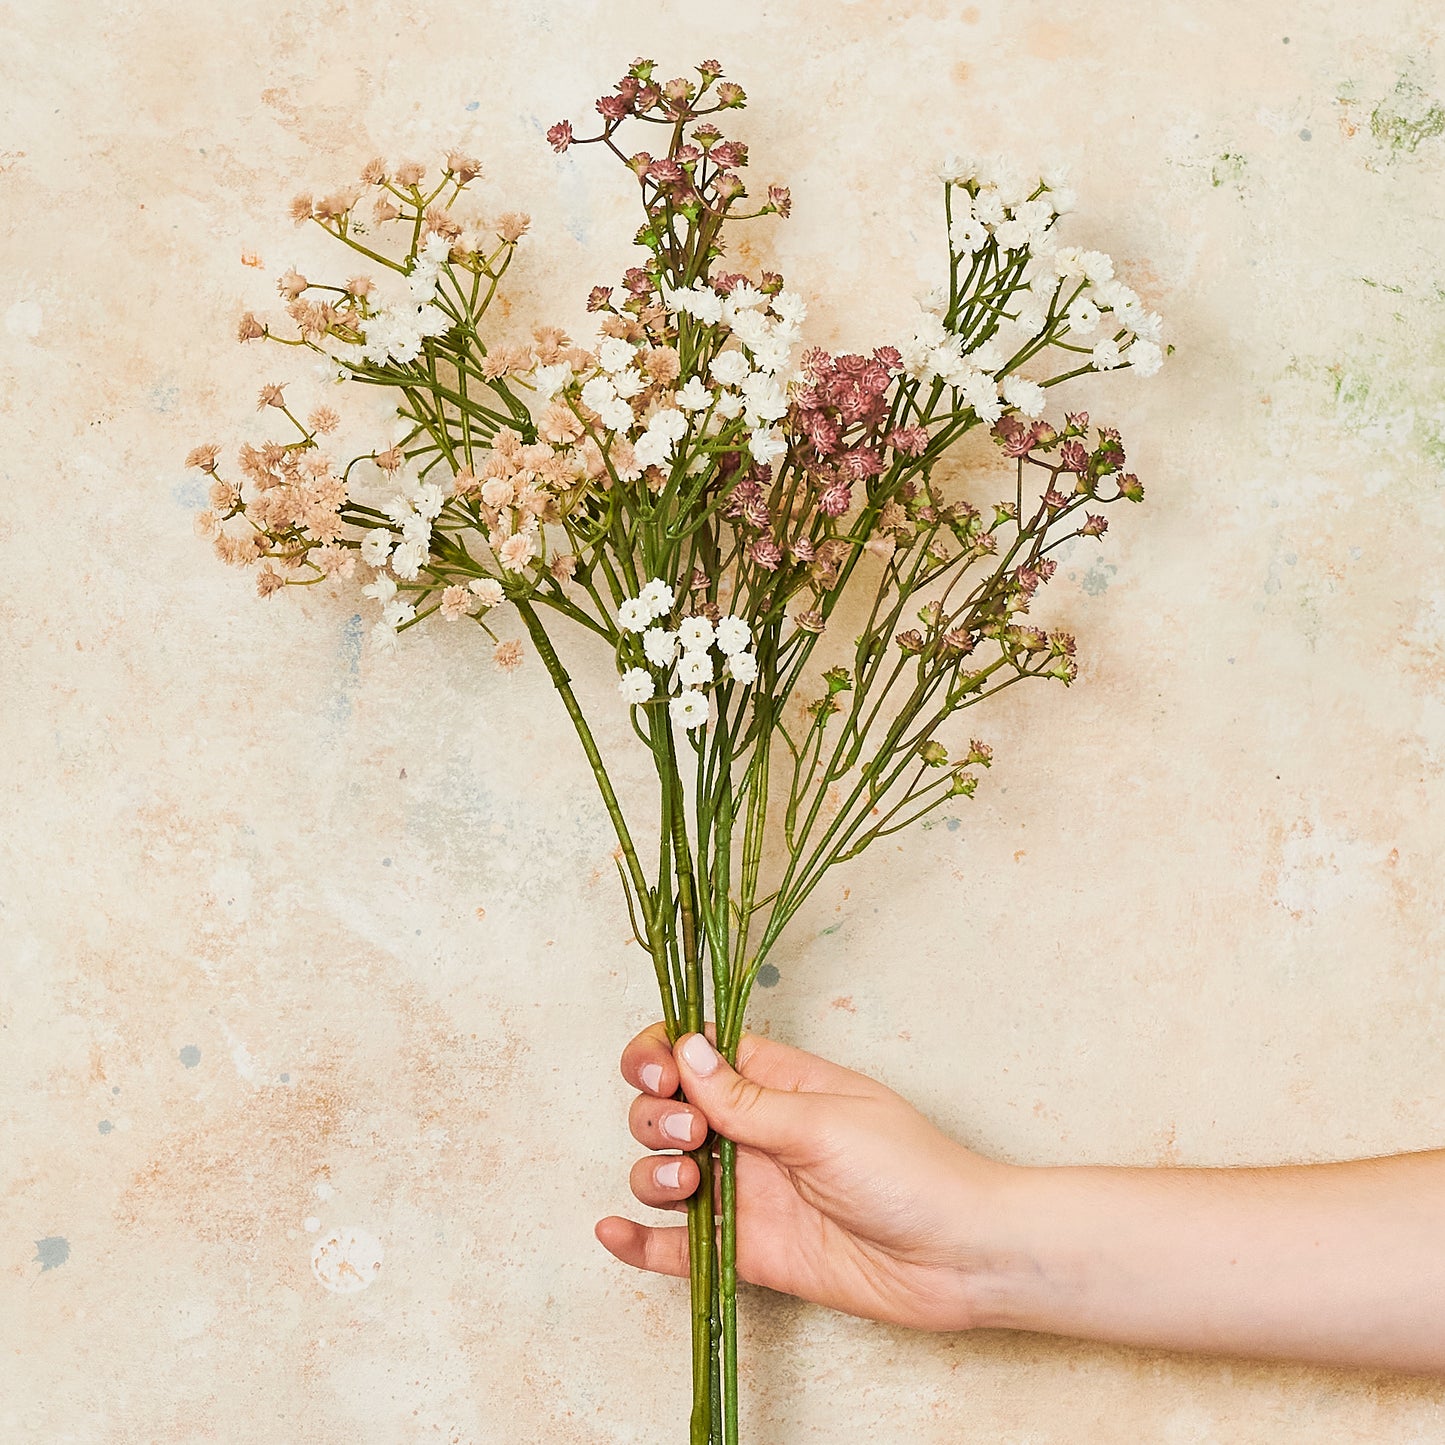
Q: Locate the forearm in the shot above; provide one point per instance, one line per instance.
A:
(1332, 1263)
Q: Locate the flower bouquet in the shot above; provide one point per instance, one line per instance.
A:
(759, 535)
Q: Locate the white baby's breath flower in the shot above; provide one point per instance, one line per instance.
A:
(488, 590)
(617, 416)
(730, 368)
(1145, 357)
(750, 327)
(659, 646)
(636, 685)
(383, 638)
(629, 382)
(694, 396)
(376, 547)
(397, 611)
(694, 669)
(1105, 356)
(743, 667)
(1083, 317)
(767, 446)
(732, 634)
(551, 379)
(634, 615)
(729, 405)
(416, 528)
(408, 558)
(968, 235)
(429, 499)
(381, 588)
(1027, 396)
(658, 597)
(651, 450)
(598, 393)
(695, 634)
(743, 297)
(615, 354)
(689, 709)
(790, 308)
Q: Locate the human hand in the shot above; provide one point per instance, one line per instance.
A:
(847, 1196)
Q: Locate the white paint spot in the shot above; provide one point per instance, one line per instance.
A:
(347, 1260)
(24, 319)
(311, 1224)
(324, 1191)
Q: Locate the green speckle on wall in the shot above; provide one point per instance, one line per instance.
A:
(1406, 117)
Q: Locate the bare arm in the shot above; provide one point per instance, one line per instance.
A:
(1330, 1263)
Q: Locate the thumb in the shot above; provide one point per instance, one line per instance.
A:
(775, 1120)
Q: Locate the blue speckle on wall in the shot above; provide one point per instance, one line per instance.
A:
(163, 396)
(348, 654)
(473, 104)
(768, 976)
(51, 1252)
(105, 1126)
(190, 1056)
(189, 495)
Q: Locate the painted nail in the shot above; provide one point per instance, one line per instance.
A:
(651, 1077)
(669, 1175)
(677, 1126)
(698, 1055)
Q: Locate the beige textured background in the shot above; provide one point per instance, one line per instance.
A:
(295, 932)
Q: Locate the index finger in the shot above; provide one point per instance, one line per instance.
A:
(647, 1061)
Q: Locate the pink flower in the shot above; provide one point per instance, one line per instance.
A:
(912, 441)
(560, 136)
(836, 499)
(766, 554)
(517, 551)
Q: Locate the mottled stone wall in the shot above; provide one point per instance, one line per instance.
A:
(303, 946)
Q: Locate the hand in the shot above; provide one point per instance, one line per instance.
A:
(847, 1196)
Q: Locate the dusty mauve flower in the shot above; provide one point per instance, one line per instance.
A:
(373, 173)
(512, 225)
(508, 656)
(324, 420)
(291, 283)
(837, 497)
(360, 285)
(560, 136)
(385, 210)
(1094, 525)
(335, 561)
(268, 582)
(249, 328)
(463, 167)
(455, 602)
(203, 457)
(301, 208)
(408, 173)
(781, 200)
(270, 395)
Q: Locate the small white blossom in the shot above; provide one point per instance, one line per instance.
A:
(429, 499)
(634, 615)
(629, 382)
(382, 588)
(695, 634)
(744, 667)
(790, 308)
(743, 297)
(615, 354)
(750, 328)
(766, 398)
(1145, 357)
(694, 669)
(1083, 317)
(397, 611)
(376, 547)
(767, 446)
(980, 391)
(598, 393)
(617, 416)
(658, 597)
(659, 646)
(694, 396)
(732, 634)
(383, 638)
(730, 368)
(1027, 396)
(651, 450)
(487, 590)
(729, 405)
(700, 302)
(689, 709)
(636, 685)
(416, 528)
(551, 379)
(1105, 356)
(408, 558)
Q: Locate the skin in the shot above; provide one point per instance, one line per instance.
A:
(849, 1197)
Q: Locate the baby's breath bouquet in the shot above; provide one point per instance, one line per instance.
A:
(757, 533)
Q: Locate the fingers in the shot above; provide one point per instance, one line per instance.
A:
(647, 1062)
(663, 1250)
(661, 1182)
(779, 1121)
(663, 1124)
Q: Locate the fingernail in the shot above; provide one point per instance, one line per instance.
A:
(651, 1077)
(669, 1175)
(699, 1055)
(677, 1126)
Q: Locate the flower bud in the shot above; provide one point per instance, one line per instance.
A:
(933, 753)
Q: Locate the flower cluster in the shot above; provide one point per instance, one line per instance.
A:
(681, 657)
(1023, 293)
